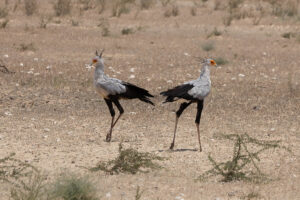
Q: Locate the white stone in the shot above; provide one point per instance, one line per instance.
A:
(132, 76)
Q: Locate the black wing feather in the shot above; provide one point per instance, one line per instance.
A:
(133, 91)
(180, 91)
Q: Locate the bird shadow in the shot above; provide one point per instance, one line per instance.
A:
(178, 150)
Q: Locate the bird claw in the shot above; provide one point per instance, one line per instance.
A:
(172, 146)
(108, 138)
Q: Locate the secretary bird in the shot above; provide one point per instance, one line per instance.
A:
(112, 90)
(194, 91)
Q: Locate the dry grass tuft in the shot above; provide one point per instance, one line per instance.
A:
(104, 24)
(164, 3)
(73, 187)
(121, 7)
(27, 47)
(3, 24)
(127, 31)
(193, 11)
(74, 22)
(284, 8)
(129, 161)
(172, 11)
(33, 188)
(3, 12)
(31, 7)
(138, 194)
(208, 46)
(146, 4)
(62, 7)
(215, 32)
(102, 4)
(221, 61)
(85, 4)
(236, 168)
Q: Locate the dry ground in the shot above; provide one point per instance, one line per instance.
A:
(52, 117)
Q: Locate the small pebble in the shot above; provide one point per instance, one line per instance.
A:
(108, 195)
(8, 113)
(132, 76)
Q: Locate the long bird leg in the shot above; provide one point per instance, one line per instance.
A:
(121, 110)
(182, 107)
(197, 121)
(112, 113)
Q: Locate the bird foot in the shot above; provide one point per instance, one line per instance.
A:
(172, 146)
(200, 149)
(108, 138)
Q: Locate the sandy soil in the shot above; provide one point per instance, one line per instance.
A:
(51, 117)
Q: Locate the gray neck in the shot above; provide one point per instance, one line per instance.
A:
(99, 69)
(205, 71)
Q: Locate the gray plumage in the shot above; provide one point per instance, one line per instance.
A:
(201, 85)
(112, 89)
(194, 91)
(105, 85)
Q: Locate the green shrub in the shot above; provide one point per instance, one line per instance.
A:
(73, 187)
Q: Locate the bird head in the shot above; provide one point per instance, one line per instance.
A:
(210, 62)
(98, 58)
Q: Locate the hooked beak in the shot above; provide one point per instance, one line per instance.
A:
(93, 62)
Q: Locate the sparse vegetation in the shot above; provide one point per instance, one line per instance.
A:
(27, 47)
(138, 194)
(251, 195)
(26, 181)
(74, 22)
(85, 4)
(33, 188)
(208, 46)
(127, 31)
(62, 7)
(227, 20)
(3, 12)
(44, 21)
(284, 8)
(30, 7)
(236, 168)
(4, 23)
(233, 4)
(129, 161)
(288, 35)
(104, 24)
(172, 11)
(217, 5)
(193, 11)
(120, 7)
(221, 61)
(102, 4)
(164, 3)
(215, 32)
(146, 4)
(73, 187)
